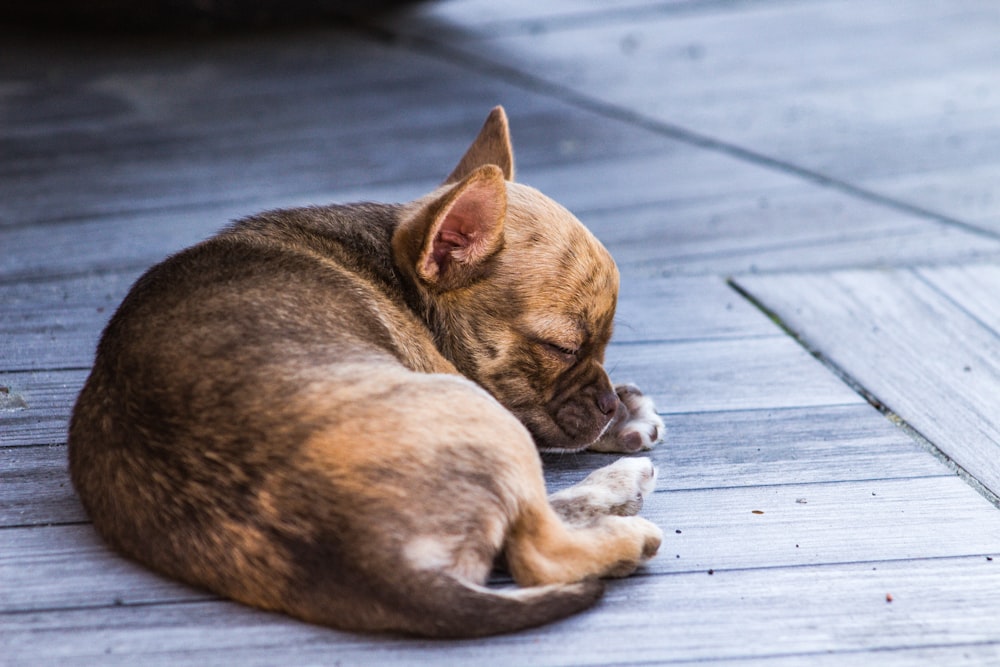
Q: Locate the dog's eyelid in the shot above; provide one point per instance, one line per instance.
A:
(565, 354)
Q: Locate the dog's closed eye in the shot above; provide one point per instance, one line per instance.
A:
(566, 354)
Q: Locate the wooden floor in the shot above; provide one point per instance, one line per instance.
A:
(803, 197)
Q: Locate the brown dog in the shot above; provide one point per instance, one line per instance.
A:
(279, 413)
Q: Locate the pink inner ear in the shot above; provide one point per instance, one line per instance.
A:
(447, 242)
(467, 232)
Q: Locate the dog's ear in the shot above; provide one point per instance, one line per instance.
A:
(492, 146)
(450, 241)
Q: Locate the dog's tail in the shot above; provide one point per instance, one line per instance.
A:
(451, 608)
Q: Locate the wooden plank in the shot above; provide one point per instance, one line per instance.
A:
(35, 408)
(683, 308)
(718, 529)
(36, 487)
(115, 142)
(727, 374)
(51, 324)
(838, 614)
(973, 288)
(943, 379)
(815, 445)
(55, 324)
(818, 524)
(685, 376)
(789, 229)
(475, 19)
(135, 236)
(62, 567)
(917, 124)
(701, 451)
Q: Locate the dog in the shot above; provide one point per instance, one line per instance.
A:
(336, 412)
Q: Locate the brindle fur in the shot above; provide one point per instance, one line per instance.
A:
(333, 411)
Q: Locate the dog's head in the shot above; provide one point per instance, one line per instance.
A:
(519, 294)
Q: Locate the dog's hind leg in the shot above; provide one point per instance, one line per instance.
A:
(587, 531)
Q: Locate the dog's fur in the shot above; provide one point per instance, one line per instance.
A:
(279, 413)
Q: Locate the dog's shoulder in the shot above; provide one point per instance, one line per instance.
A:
(355, 236)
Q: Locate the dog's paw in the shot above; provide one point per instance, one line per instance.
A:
(616, 489)
(644, 542)
(635, 427)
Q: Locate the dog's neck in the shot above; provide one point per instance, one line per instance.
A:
(356, 236)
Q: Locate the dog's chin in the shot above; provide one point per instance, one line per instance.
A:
(553, 438)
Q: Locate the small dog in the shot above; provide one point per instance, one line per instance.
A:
(335, 412)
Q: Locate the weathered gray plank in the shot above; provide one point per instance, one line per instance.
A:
(54, 324)
(777, 230)
(973, 288)
(137, 236)
(143, 127)
(909, 345)
(813, 524)
(770, 447)
(35, 406)
(682, 376)
(727, 374)
(793, 446)
(828, 86)
(701, 451)
(837, 613)
(683, 308)
(60, 567)
(36, 487)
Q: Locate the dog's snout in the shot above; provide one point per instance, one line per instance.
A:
(607, 402)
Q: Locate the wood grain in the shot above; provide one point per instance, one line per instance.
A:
(735, 374)
(35, 407)
(719, 529)
(837, 614)
(910, 345)
(37, 490)
(827, 87)
(971, 287)
(55, 324)
(701, 451)
(698, 140)
(70, 566)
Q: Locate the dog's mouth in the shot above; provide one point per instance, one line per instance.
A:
(574, 427)
(570, 449)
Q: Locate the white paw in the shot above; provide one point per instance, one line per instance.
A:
(637, 427)
(619, 489)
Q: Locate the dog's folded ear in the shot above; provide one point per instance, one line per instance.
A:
(492, 146)
(450, 241)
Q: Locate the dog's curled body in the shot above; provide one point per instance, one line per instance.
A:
(308, 413)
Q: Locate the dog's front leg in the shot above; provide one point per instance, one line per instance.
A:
(635, 426)
(616, 489)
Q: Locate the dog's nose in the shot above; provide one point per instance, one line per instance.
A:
(607, 402)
